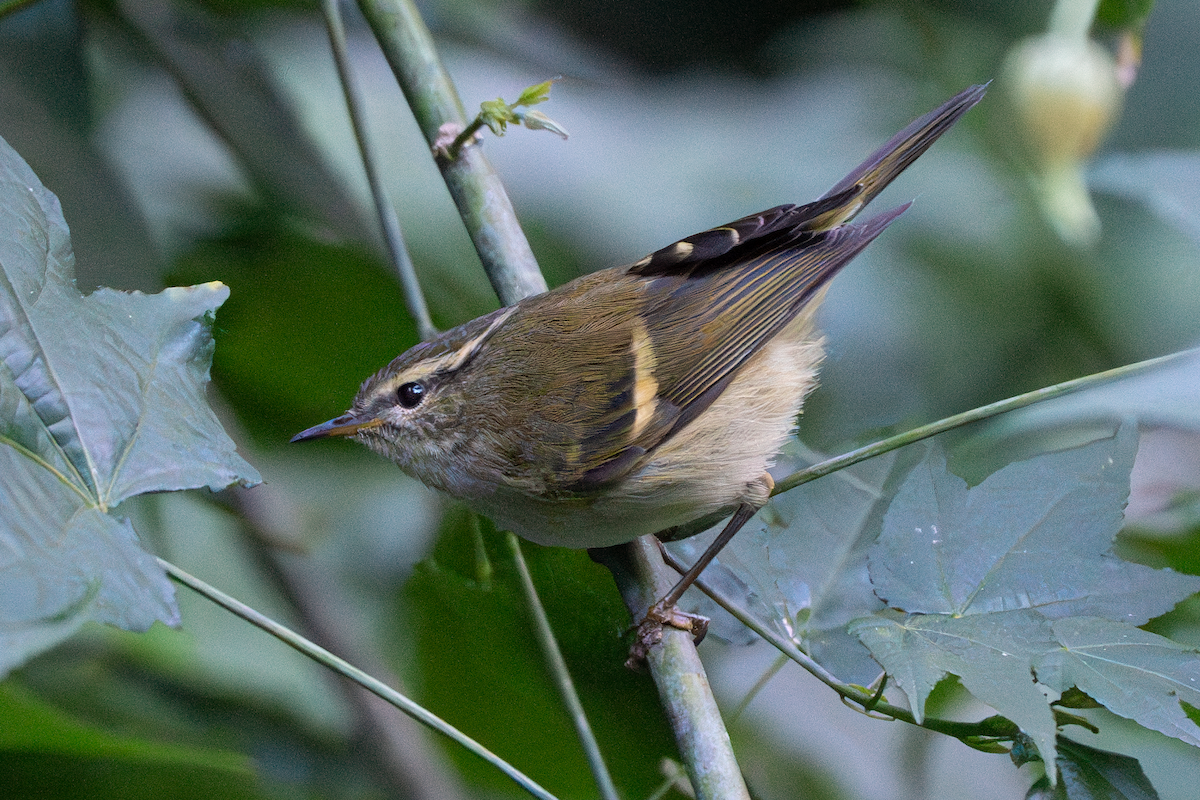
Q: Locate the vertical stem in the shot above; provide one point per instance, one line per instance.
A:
(683, 687)
(482, 201)
(386, 213)
(562, 677)
(411, 53)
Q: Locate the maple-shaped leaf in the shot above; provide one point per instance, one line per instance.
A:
(992, 655)
(1131, 672)
(101, 398)
(1036, 534)
(996, 584)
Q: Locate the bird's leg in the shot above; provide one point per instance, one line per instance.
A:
(665, 612)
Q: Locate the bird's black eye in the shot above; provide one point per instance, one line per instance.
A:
(411, 394)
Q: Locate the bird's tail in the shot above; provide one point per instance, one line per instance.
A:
(871, 176)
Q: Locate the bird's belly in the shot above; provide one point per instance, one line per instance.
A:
(642, 506)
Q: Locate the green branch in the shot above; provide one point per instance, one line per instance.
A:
(386, 213)
(474, 185)
(683, 688)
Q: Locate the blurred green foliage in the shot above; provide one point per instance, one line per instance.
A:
(480, 662)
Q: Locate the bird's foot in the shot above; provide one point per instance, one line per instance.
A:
(650, 630)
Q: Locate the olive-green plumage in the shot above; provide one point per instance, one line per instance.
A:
(637, 398)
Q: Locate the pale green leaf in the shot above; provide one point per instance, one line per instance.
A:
(1013, 581)
(101, 398)
(1036, 534)
(1133, 673)
(992, 654)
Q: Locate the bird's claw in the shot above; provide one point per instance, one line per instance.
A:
(650, 630)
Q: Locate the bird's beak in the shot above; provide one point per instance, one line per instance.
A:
(347, 424)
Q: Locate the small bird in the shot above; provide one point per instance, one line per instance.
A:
(636, 399)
